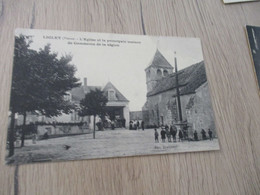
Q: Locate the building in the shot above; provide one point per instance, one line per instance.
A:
(161, 107)
(117, 107)
(136, 115)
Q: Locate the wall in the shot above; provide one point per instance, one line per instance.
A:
(61, 130)
(200, 113)
(164, 105)
(134, 115)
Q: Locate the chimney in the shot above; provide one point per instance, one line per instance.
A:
(85, 81)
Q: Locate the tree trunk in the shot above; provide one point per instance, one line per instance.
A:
(23, 130)
(11, 135)
(94, 127)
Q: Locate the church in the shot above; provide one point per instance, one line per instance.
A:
(161, 106)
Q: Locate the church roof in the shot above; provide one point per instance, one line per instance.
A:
(119, 96)
(159, 61)
(190, 79)
(79, 93)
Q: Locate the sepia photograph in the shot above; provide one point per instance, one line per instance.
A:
(82, 95)
(253, 33)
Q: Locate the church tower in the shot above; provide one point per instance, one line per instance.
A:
(158, 69)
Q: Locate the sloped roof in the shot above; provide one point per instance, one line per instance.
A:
(159, 61)
(78, 93)
(190, 79)
(119, 95)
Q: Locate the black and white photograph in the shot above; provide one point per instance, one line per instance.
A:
(253, 33)
(81, 95)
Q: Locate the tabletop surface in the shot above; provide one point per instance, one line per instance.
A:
(235, 169)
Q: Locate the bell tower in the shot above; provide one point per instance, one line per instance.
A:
(158, 68)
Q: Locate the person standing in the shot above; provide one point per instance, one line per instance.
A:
(168, 134)
(123, 122)
(210, 134)
(195, 134)
(180, 135)
(163, 134)
(142, 125)
(131, 125)
(112, 125)
(173, 132)
(156, 135)
(138, 124)
(203, 133)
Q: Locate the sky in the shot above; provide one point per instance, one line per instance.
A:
(120, 59)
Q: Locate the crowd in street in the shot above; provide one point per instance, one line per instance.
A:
(136, 125)
(171, 134)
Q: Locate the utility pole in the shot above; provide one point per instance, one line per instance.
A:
(177, 89)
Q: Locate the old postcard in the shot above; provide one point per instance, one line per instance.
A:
(253, 33)
(237, 1)
(80, 95)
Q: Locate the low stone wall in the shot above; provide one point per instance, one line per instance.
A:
(60, 130)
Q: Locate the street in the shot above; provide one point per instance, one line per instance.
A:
(109, 143)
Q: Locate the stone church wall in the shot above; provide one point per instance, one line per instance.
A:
(162, 108)
(199, 112)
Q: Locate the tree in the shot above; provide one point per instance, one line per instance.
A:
(94, 104)
(40, 82)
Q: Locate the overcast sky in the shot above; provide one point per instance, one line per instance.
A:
(122, 65)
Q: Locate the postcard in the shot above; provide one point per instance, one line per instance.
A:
(82, 95)
(237, 1)
(253, 35)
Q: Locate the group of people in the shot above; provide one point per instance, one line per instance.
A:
(136, 125)
(171, 134)
(203, 135)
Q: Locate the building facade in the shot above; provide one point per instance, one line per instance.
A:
(117, 108)
(161, 106)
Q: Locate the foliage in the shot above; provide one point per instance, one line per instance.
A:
(41, 80)
(94, 104)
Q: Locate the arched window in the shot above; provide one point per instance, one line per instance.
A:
(165, 73)
(159, 73)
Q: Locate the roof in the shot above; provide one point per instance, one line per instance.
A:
(190, 79)
(119, 96)
(78, 93)
(159, 61)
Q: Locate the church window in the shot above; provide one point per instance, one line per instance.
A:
(165, 73)
(159, 73)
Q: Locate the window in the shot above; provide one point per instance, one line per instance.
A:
(159, 73)
(111, 95)
(165, 73)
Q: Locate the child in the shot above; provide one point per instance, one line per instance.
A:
(196, 136)
(210, 134)
(156, 135)
(168, 134)
(163, 134)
